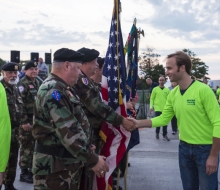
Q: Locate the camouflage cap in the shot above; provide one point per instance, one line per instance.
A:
(30, 64)
(11, 66)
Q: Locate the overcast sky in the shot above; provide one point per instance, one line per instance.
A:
(169, 25)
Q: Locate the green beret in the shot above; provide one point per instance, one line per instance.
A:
(90, 54)
(65, 54)
(10, 67)
(30, 64)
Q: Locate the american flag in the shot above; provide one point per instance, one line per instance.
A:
(114, 94)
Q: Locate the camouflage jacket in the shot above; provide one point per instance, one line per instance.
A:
(59, 121)
(96, 110)
(15, 102)
(28, 90)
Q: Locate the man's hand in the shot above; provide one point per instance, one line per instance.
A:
(129, 125)
(151, 111)
(101, 167)
(26, 127)
(129, 105)
(92, 147)
(211, 164)
(144, 123)
(2, 176)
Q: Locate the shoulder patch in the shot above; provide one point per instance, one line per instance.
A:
(21, 88)
(56, 95)
(85, 81)
(31, 86)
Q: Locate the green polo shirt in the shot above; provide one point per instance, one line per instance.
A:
(5, 130)
(197, 113)
(158, 98)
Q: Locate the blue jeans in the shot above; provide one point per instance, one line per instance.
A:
(192, 164)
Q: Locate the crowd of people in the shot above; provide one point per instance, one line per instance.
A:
(55, 122)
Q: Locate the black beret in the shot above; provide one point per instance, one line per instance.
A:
(65, 54)
(90, 54)
(10, 67)
(100, 61)
(30, 64)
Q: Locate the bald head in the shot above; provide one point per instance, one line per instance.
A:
(161, 81)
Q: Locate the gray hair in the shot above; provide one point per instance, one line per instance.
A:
(57, 65)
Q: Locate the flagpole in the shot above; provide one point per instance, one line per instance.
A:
(117, 44)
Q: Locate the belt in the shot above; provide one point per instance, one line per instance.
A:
(194, 144)
(53, 151)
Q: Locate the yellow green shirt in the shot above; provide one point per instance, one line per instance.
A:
(197, 113)
(5, 130)
(158, 98)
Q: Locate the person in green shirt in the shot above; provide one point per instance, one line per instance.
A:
(198, 118)
(5, 133)
(157, 102)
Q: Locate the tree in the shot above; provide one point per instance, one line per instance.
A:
(149, 65)
(199, 68)
(2, 62)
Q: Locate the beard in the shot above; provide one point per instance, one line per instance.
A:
(13, 81)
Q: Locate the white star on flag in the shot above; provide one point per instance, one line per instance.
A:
(115, 90)
(116, 101)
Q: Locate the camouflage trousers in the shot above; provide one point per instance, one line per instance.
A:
(10, 172)
(26, 148)
(63, 180)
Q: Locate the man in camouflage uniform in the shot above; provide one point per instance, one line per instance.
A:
(14, 100)
(61, 129)
(96, 110)
(28, 87)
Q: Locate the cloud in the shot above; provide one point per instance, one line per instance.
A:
(44, 15)
(187, 19)
(104, 35)
(40, 35)
(23, 22)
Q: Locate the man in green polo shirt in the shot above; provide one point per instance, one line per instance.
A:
(198, 115)
(157, 102)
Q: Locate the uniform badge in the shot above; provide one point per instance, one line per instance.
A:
(16, 67)
(21, 88)
(56, 95)
(85, 81)
(31, 86)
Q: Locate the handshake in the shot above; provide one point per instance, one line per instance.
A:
(131, 124)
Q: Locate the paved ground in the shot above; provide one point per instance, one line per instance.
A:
(154, 164)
